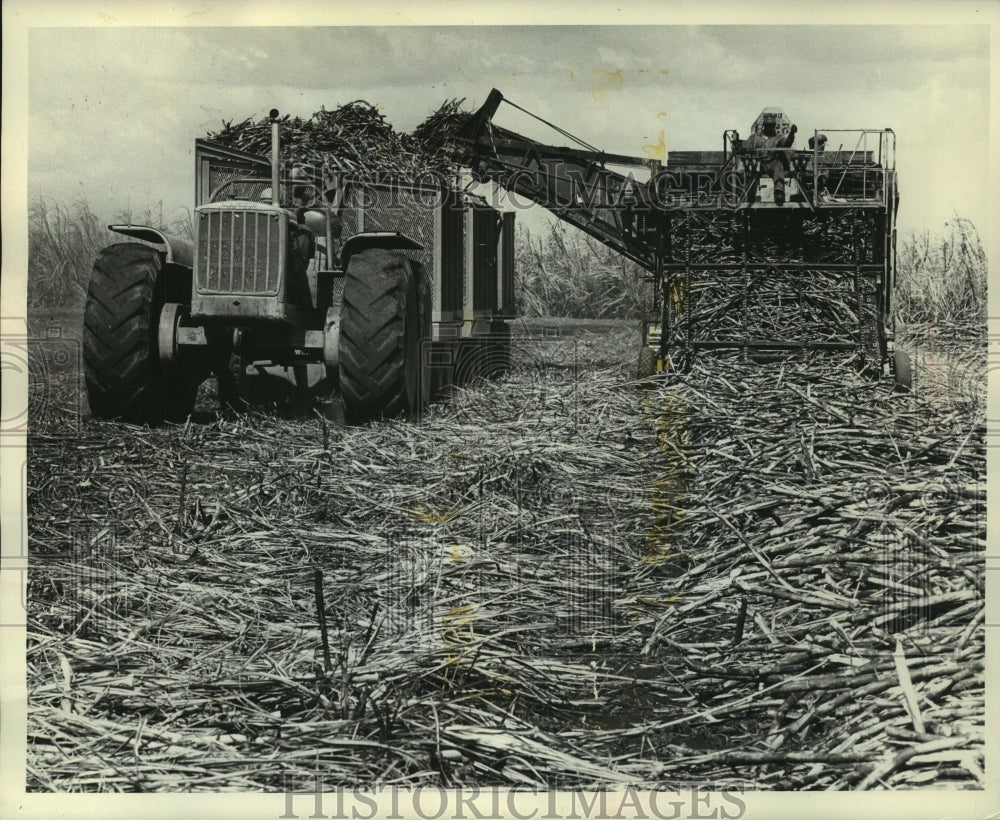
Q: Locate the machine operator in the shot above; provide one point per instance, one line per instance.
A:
(772, 130)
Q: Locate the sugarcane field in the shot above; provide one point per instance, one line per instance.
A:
(439, 456)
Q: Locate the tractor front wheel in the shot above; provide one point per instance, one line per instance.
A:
(381, 328)
(124, 374)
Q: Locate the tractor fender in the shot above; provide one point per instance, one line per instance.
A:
(389, 240)
(179, 251)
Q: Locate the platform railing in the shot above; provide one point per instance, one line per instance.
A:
(856, 164)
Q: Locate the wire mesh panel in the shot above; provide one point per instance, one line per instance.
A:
(437, 219)
(226, 173)
(403, 207)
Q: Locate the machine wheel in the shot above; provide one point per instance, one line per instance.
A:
(380, 332)
(901, 371)
(647, 362)
(124, 374)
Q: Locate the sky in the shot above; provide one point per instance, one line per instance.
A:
(113, 111)
(107, 110)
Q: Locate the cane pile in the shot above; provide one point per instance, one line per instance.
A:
(352, 137)
(768, 576)
(792, 280)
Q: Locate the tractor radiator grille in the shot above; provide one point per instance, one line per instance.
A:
(239, 252)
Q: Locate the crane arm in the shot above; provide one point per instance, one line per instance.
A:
(573, 183)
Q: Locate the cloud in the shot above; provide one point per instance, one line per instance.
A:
(141, 95)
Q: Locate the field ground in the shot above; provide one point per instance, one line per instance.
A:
(762, 575)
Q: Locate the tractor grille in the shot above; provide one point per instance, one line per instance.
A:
(239, 251)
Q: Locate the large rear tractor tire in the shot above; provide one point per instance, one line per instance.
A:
(122, 368)
(381, 328)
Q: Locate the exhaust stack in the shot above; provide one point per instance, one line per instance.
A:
(275, 157)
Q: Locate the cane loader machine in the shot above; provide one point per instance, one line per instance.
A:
(392, 290)
(757, 248)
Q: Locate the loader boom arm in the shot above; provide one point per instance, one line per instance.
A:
(573, 183)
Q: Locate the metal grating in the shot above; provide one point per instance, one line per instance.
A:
(239, 252)
(216, 165)
(413, 210)
(404, 208)
(338, 289)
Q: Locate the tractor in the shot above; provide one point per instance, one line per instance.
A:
(389, 290)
